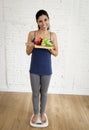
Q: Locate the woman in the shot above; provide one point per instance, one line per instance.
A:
(40, 68)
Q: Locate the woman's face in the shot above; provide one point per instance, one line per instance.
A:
(43, 22)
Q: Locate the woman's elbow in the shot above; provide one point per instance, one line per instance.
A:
(27, 52)
(56, 54)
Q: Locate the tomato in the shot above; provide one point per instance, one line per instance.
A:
(38, 41)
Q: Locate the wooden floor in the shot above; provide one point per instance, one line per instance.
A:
(65, 112)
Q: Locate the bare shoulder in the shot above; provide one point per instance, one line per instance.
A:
(53, 34)
(30, 36)
(31, 33)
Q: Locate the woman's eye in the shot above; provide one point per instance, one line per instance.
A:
(45, 19)
(40, 21)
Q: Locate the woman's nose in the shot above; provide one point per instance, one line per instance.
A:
(43, 23)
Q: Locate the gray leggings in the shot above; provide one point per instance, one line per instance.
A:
(39, 86)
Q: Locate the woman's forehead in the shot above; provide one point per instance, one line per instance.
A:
(42, 17)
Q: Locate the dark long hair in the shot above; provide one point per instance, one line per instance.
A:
(40, 13)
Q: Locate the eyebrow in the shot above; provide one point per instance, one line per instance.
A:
(41, 20)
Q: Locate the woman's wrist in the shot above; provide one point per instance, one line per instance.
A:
(29, 48)
(51, 50)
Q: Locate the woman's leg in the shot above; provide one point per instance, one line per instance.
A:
(35, 84)
(45, 80)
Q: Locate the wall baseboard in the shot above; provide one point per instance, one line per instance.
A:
(63, 91)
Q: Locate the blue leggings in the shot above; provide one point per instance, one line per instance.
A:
(39, 86)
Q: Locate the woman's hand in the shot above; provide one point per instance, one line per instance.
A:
(53, 51)
(29, 47)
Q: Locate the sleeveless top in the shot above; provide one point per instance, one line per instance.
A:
(40, 60)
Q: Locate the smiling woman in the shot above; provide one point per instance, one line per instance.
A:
(42, 19)
(43, 22)
(40, 67)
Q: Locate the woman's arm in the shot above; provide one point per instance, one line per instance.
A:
(29, 44)
(54, 51)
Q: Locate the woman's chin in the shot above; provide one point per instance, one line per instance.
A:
(44, 28)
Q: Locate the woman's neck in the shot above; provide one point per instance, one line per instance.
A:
(43, 31)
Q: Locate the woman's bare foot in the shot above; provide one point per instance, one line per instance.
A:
(43, 118)
(34, 119)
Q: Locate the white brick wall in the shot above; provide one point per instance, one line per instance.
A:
(70, 20)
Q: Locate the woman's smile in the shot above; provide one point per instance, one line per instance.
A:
(43, 22)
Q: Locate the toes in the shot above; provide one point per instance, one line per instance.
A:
(43, 118)
(34, 119)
